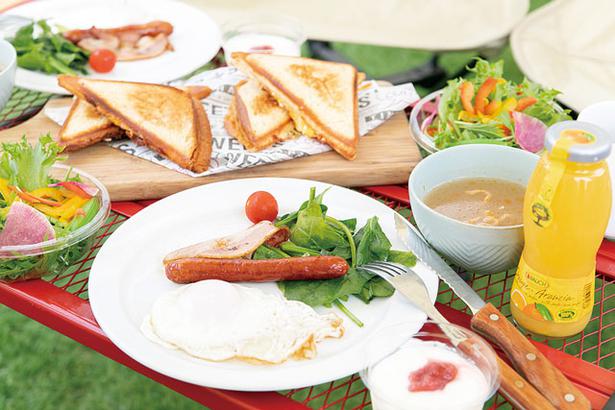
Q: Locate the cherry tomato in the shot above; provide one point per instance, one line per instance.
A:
(261, 206)
(102, 60)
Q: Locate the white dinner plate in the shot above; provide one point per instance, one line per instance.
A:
(127, 277)
(196, 37)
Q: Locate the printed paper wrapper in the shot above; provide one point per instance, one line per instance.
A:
(376, 105)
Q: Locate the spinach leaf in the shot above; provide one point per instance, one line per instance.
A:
(48, 51)
(351, 224)
(373, 243)
(311, 229)
(375, 287)
(341, 251)
(268, 252)
(402, 257)
(312, 292)
(296, 250)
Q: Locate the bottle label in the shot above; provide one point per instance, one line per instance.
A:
(551, 299)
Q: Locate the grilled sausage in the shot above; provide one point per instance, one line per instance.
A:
(188, 270)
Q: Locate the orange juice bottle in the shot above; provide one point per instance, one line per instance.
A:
(565, 213)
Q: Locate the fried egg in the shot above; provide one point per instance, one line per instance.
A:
(217, 320)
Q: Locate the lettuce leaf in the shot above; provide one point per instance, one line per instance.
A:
(26, 166)
(450, 131)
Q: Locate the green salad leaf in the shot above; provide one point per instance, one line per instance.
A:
(373, 243)
(405, 258)
(28, 166)
(47, 51)
(312, 230)
(454, 125)
(268, 252)
(314, 233)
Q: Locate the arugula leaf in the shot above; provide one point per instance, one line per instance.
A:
(483, 69)
(26, 166)
(544, 108)
(373, 243)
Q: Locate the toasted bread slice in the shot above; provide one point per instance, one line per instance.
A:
(166, 119)
(85, 126)
(256, 119)
(320, 96)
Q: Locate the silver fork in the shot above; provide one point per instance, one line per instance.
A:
(411, 285)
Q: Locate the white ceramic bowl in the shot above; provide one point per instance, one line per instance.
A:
(8, 64)
(480, 249)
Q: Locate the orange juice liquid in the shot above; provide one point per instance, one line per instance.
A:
(553, 291)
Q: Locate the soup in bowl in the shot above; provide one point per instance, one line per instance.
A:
(467, 201)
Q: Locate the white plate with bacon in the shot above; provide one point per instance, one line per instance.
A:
(194, 41)
(172, 328)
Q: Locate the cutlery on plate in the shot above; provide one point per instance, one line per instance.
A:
(516, 389)
(489, 321)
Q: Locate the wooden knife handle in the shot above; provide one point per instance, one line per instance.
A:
(514, 387)
(528, 360)
(519, 392)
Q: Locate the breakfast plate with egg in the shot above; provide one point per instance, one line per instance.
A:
(170, 286)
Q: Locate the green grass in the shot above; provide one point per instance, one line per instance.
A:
(42, 369)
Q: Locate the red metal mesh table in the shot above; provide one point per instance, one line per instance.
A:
(61, 303)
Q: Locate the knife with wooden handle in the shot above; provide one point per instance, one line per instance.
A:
(519, 392)
(528, 360)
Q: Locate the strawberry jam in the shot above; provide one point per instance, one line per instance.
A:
(431, 377)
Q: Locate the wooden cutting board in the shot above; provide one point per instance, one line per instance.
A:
(385, 156)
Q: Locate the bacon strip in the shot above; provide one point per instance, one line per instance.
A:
(131, 42)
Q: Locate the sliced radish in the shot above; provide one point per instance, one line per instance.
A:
(25, 226)
(529, 132)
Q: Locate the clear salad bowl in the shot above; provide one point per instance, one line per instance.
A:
(21, 262)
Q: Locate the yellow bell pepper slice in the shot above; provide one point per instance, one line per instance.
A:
(7, 193)
(73, 205)
(508, 104)
(52, 193)
(467, 116)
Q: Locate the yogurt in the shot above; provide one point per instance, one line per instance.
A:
(389, 380)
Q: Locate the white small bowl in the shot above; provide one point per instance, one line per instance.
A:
(479, 249)
(8, 65)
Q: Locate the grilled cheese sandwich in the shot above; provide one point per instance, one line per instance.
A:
(168, 120)
(319, 96)
(256, 119)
